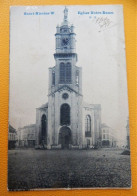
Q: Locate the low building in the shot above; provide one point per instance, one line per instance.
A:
(12, 138)
(26, 136)
(108, 138)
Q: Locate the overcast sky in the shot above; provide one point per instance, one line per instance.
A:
(101, 54)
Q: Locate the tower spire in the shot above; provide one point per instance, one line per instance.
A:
(65, 14)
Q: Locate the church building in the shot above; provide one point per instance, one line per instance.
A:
(66, 121)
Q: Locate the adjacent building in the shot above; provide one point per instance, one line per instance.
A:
(107, 136)
(26, 136)
(12, 137)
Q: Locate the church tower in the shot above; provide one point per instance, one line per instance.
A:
(66, 121)
(65, 90)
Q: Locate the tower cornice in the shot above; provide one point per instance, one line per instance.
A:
(65, 55)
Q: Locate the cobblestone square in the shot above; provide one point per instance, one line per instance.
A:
(33, 169)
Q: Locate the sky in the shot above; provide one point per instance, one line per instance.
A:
(101, 54)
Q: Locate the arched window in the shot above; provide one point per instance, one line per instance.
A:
(65, 114)
(68, 73)
(88, 126)
(53, 78)
(44, 128)
(77, 77)
(65, 73)
(62, 72)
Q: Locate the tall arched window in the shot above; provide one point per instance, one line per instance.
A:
(88, 126)
(44, 128)
(65, 114)
(65, 73)
(77, 77)
(68, 73)
(62, 73)
(53, 78)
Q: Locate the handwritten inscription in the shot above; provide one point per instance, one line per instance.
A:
(103, 22)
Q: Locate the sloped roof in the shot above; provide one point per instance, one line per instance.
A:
(103, 125)
(98, 106)
(44, 105)
(65, 87)
(29, 126)
(11, 129)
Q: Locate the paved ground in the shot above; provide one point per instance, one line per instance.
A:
(29, 169)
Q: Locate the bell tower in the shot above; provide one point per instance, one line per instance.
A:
(65, 89)
(65, 36)
(65, 71)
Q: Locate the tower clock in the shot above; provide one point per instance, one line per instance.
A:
(65, 42)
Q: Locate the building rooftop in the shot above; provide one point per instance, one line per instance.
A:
(103, 125)
(97, 106)
(11, 129)
(44, 106)
(27, 126)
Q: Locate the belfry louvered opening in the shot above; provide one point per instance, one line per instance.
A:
(65, 73)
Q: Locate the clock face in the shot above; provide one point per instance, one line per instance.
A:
(65, 41)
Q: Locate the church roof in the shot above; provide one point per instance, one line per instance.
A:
(65, 87)
(11, 129)
(44, 106)
(95, 106)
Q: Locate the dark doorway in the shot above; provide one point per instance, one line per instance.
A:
(65, 137)
(105, 143)
(43, 129)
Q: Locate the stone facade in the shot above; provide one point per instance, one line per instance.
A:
(12, 138)
(26, 136)
(107, 136)
(94, 112)
(66, 121)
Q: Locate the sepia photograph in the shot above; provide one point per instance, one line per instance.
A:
(68, 103)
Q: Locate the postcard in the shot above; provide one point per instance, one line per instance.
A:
(68, 107)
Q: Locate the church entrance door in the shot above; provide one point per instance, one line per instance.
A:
(65, 137)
